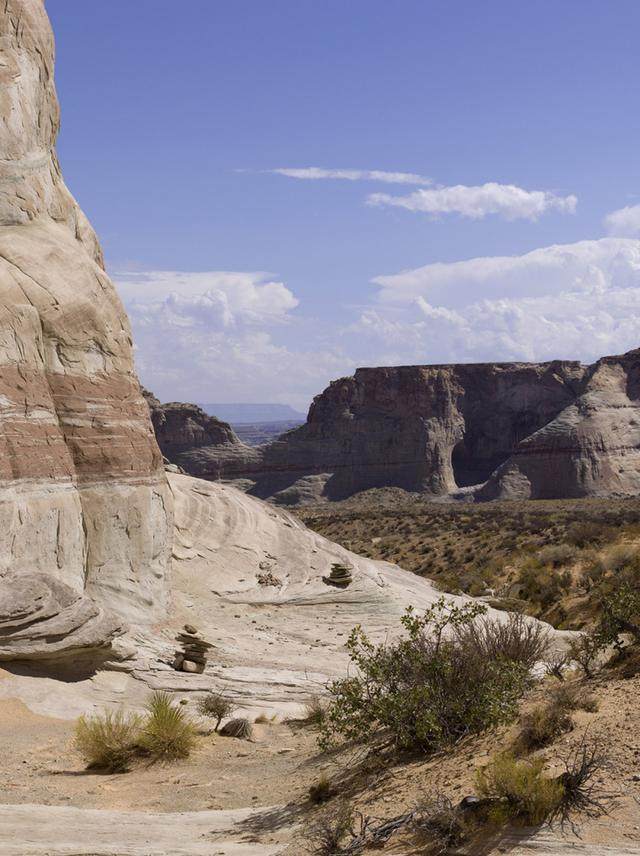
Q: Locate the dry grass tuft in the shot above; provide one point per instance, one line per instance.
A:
(167, 733)
(108, 741)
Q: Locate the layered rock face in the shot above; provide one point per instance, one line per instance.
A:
(517, 430)
(592, 448)
(85, 514)
(186, 434)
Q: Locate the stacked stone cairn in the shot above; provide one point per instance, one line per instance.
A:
(193, 656)
(340, 576)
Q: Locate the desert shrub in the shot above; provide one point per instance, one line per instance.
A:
(621, 611)
(216, 706)
(328, 833)
(430, 687)
(315, 711)
(556, 664)
(516, 639)
(587, 650)
(582, 792)
(240, 728)
(321, 791)
(542, 725)
(441, 825)
(557, 555)
(108, 741)
(617, 558)
(589, 532)
(521, 792)
(541, 584)
(575, 697)
(546, 722)
(167, 732)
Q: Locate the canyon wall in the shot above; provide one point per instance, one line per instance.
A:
(493, 430)
(85, 513)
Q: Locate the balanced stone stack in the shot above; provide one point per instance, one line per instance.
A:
(193, 656)
(339, 576)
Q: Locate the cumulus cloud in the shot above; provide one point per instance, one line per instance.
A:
(223, 335)
(239, 336)
(625, 222)
(213, 299)
(316, 173)
(578, 300)
(506, 200)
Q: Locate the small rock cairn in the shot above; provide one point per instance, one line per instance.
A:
(193, 656)
(340, 576)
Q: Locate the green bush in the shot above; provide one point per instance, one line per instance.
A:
(216, 706)
(429, 688)
(522, 794)
(108, 741)
(167, 733)
(587, 650)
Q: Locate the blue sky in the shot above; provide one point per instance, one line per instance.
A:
(245, 284)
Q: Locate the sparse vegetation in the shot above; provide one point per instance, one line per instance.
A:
(547, 559)
(167, 732)
(586, 651)
(217, 707)
(315, 711)
(521, 792)
(108, 741)
(431, 687)
(322, 790)
(329, 831)
(582, 793)
(542, 725)
(513, 639)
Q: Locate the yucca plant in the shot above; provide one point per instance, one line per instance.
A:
(108, 741)
(167, 731)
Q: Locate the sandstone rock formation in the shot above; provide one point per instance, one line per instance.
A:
(556, 429)
(85, 515)
(185, 430)
(591, 448)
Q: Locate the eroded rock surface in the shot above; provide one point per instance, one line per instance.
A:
(84, 504)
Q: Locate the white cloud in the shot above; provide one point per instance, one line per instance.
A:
(506, 200)
(223, 335)
(576, 301)
(625, 222)
(234, 336)
(219, 299)
(316, 173)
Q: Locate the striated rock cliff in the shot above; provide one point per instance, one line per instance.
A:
(592, 447)
(187, 435)
(556, 429)
(85, 511)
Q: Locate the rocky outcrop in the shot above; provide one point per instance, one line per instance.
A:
(188, 436)
(42, 618)
(518, 430)
(592, 448)
(85, 514)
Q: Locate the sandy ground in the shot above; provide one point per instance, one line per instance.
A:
(255, 794)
